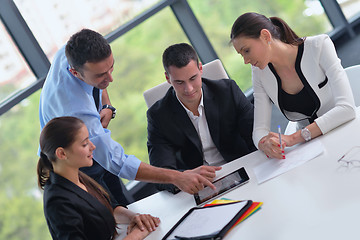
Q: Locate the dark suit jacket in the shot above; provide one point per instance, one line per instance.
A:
(172, 138)
(72, 213)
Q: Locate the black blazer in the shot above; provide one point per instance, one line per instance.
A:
(172, 138)
(72, 213)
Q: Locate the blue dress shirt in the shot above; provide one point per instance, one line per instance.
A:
(65, 95)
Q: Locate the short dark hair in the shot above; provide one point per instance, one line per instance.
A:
(86, 46)
(250, 25)
(179, 55)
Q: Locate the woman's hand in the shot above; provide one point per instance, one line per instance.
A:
(143, 222)
(270, 145)
(136, 234)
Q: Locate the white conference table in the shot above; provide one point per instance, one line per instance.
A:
(317, 200)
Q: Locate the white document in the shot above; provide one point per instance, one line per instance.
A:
(295, 156)
(206, 221)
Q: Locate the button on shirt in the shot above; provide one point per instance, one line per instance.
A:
(65, 95)
(211, 155)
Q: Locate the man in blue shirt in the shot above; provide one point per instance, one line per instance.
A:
(80, 68)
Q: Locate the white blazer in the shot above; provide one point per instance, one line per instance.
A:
(320, 70)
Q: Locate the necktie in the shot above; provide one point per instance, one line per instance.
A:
(96, 97)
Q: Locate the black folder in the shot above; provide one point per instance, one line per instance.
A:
(210, 215)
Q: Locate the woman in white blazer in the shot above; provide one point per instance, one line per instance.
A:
(303, 77)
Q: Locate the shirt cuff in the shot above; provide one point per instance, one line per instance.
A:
(130, 167)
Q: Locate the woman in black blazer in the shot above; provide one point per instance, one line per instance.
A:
(76, 206)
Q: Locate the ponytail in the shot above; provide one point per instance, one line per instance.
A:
(44, 167)
(286, 34)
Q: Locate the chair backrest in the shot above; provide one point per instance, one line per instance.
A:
(353, 74)
(213, 70)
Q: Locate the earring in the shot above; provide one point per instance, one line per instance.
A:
(269, 42)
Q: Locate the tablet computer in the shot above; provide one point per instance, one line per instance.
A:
(223, 185)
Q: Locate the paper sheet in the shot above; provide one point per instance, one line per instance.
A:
(295, 156)
(206, 221)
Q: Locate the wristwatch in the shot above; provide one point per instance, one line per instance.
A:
(111, 108)
(306, 134)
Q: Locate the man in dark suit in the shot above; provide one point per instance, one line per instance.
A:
(200, 123)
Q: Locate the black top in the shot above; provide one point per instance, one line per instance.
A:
(300, 102)
(308, 97)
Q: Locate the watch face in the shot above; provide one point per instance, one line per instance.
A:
(306, 134)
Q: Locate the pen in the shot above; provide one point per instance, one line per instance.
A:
(281, 147)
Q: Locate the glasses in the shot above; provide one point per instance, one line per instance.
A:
(351, 157)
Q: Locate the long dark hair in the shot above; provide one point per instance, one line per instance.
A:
(250, 25)
(61, 132)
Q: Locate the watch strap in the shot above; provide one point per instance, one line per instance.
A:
(111, 108)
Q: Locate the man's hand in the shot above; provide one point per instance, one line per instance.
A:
(206, 171)
(188, 181)
(192, 182)
(105, 117)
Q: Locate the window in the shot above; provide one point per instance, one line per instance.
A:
(15, 74)
(350, 8)
(53, 22)
(21, 215)
(314, 11)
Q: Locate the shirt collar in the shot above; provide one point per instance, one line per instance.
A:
(87, 88)
(200, 107)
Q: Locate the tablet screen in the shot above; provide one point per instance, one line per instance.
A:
(222, 185)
